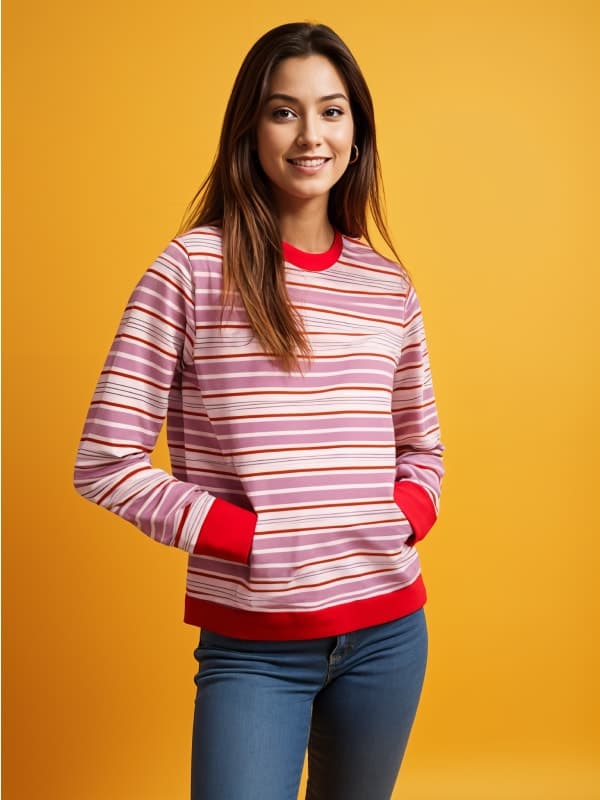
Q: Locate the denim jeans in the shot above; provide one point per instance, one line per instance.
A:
(349, 699)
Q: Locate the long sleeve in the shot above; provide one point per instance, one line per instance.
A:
(113, 467)
(419, 467)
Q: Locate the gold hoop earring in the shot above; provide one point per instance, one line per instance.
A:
(355, 159)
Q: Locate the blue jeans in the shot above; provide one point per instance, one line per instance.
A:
(350, 699)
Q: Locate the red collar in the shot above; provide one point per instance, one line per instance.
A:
(314, 261)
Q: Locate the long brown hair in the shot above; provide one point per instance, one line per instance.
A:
(236, 195)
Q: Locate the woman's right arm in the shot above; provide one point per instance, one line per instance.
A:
(113, 466)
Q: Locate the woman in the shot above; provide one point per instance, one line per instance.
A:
(289, 359)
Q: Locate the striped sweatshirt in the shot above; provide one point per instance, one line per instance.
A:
(299, 496)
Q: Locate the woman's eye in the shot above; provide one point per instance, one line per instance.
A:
(333, 112)
(283, 113)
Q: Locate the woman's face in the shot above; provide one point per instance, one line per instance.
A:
(305, 131)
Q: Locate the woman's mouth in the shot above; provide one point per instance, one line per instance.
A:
(308, 164)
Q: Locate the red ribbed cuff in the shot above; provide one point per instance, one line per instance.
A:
(227, 532)
(417, 507)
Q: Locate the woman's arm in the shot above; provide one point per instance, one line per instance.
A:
(113, 467)
(419, 467)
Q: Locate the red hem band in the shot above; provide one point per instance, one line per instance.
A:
(294, 625)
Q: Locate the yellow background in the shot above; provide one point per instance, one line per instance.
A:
(488, 122)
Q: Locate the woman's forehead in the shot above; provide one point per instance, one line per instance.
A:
(300, 75)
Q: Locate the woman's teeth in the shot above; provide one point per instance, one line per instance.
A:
(307, 162)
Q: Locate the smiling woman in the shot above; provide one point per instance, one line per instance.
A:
(289, 360)
(240, 199)
(304, 138)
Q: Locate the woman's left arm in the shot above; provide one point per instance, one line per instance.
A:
(419, 467)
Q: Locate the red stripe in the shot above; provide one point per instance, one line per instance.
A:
(403, 409)
(420, 435)
(391, 273)
(159, 317)
(409, 367)
(416, 346)
(415, 316)
(179, 289)
(425, 467)
(410, 387)
(184, 516)
(344, 557)
(196, 253)
(325, 528)
(127, 408)
(147, 344)
(306, 506)
(206, 451)
(179, 246)
(200, 471)
(346, 314)
(162, 386)
(123, 479)
(158, 486)
(201, 230)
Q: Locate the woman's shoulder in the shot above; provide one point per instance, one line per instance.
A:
(361, 253)
(205, 239)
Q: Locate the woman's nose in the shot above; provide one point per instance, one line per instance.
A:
(309, 134)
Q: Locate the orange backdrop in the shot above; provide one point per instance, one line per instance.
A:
(488, 121)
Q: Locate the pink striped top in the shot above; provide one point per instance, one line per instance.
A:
(297, 496)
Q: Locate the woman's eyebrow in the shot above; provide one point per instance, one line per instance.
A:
(288, 98)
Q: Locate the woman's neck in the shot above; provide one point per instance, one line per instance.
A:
(306, 228)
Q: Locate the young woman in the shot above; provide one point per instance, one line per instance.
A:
(289, 359)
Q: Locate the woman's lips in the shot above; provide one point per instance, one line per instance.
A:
(308, 165)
